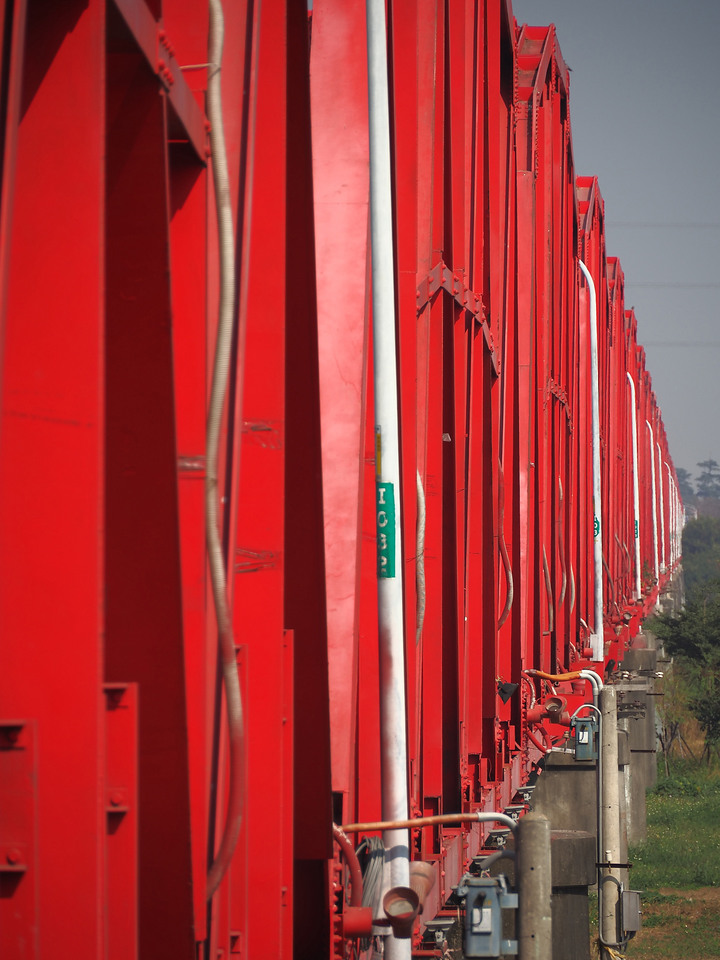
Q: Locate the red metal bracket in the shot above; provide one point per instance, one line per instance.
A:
(159, 52)
(18, 823)
(554, 389)
(441, 277)
(121, 810)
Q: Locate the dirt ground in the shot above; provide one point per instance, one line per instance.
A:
(683, 925)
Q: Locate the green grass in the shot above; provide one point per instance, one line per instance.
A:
(683, 819)
(681, 853)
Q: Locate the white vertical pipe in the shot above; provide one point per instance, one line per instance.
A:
(596, 639)
(636, 490)
(654, 497)
(390, 581)
(674, 519)
(662, 509)
(672, 505)
(677, 513)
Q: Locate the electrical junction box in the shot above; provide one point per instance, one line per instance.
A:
(485, 899)
(631, 911)
(586, 729)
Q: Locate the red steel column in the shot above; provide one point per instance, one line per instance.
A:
(51, 493)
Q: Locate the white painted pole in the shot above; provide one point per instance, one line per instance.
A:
(662, 509)
(673, 506)
(390, 581)
(636, 490)
(654, 497)
(597, 638)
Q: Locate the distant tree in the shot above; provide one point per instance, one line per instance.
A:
(673, 711)
(685, 483)
(701, 551)
(708, 481)
(694, 633)
(693, 636)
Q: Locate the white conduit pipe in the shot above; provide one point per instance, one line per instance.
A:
(596, 639)
(662, 509)
(678, 521)
(654, 497)
(676, 525)
(596, 682)
(676, 517)
(636, 490)
(390, 581)
(672, 506)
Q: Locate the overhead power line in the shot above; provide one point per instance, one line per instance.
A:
(672, 283)
(657, 225)
(681, 343)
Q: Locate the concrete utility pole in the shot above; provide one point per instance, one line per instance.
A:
(534, 888)
(610, 800)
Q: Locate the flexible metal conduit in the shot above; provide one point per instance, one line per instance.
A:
(548, 591)
(636, 490)
(218, 392)
(561, 544)
(596, 638)
(420, 560)
(440, 819)
(504, 556)
(590, 675)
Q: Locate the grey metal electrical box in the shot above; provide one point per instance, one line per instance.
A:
(485, 899)
(631, 911)
(586, 729)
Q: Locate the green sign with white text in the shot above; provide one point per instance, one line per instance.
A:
(385, 525)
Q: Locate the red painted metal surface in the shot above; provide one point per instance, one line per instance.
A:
(114, 768)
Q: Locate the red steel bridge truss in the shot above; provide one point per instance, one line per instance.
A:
(114, 747)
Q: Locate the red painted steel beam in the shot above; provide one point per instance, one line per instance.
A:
(158, 49)
(51, 488)
(143, 587)
(338, 81)
(13, 14)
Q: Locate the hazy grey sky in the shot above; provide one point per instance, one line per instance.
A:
(645, 113)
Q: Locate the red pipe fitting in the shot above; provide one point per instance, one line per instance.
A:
(401, 906)
(552, 708)
(356, 922)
